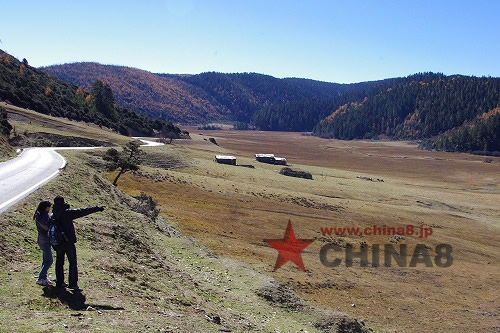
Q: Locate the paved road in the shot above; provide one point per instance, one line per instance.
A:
(33, 168)
(149, 143)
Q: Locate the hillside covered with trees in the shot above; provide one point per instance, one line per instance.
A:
(28, 87)
(420, 106)
(203, 97)
(480, 135)
(162, 97)
(426, 106)
(304, 114)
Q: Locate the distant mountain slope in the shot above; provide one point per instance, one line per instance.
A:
(419, 106)
(28, 87)
(166, 97)
(304, 114)
(246, 93)
(479, 135)
(198, 98)
(427, 105)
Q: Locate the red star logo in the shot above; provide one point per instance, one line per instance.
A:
(289, 248)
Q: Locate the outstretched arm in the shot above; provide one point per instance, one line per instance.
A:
(81, 212)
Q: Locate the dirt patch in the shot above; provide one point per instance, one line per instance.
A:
(281, 295)
(341, 323)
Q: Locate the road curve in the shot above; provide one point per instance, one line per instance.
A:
(33, 168)
(149, 143)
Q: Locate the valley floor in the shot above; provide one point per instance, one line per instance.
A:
(233, 209)
(205, 259)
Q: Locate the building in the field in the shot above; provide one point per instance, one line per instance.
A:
(223, 159)
(280, 160)
(271, 159)
(265, 158)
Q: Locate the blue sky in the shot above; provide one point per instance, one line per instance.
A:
(336, 41)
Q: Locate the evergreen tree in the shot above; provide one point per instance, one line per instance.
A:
(103, 100)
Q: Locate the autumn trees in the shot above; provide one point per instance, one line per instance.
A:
(428, 105)
(28, 87)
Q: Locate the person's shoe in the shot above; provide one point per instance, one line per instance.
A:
(61, 285)
(44, 282)
(75, 288)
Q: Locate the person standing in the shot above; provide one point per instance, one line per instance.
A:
(63, 216)
(42, 218)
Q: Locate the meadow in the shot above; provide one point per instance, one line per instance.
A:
(232, 209)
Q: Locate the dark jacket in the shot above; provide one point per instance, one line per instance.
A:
(64, 218)
(42, 225)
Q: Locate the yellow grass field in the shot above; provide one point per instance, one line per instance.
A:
(232, 209)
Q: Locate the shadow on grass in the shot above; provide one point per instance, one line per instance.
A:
(74, 300)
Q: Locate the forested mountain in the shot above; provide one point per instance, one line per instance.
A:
(163, 97)
(304, 114)
(246, 93)
(428, 105)
(29, 87)
(203, 97)
(419, 106)
(479, 135)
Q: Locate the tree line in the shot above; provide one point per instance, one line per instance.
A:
(479, 135)
(28, 87)
(423, 108)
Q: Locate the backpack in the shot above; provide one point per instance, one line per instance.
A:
(56, 233)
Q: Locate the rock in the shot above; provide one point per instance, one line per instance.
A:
(396, 238)
(214, 319)
(281, 295)
(341, 323)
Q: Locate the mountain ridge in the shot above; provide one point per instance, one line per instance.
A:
(198, 98)
(28, 87)
(416, 107)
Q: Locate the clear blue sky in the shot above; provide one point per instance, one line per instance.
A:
(337, 41)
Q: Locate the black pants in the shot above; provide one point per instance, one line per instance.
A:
(70, 251)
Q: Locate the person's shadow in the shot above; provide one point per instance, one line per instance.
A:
(74, 300)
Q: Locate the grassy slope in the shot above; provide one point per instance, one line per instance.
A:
(232, 209)
(137, 277)
(30, 121)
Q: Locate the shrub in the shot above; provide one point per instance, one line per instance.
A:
(5, 127)
(147, 206)
(296, 173)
